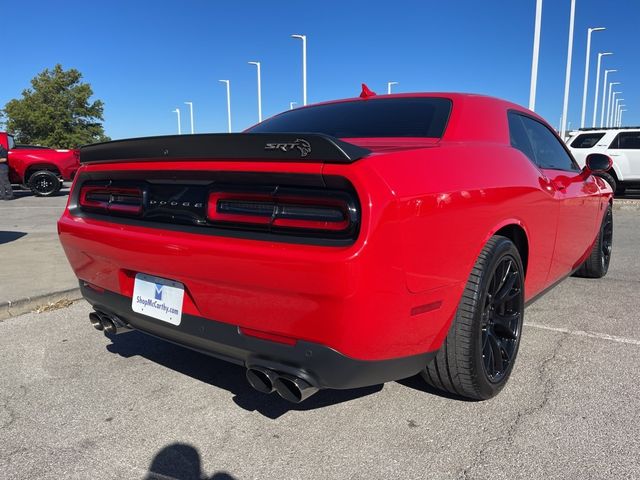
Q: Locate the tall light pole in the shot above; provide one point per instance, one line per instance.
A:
(604, 94)
(257, 64)
(228, 83)
(304, 66)
(617, 119)
(595, 100)
(177, 111)
(536, 54)
(191, 115)
(291, 104)
(622, 110)
(567, 79)
(614, 112)
(602, 120)
(389, 85)
(586, 73)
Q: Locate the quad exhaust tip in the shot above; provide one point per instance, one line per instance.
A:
(289, 387)
(109, 324)
(96, 321)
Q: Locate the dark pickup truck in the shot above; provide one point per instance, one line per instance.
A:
(42, 170)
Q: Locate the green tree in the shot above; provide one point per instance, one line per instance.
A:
(56, 111)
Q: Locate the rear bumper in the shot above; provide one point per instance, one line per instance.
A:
(322, 366)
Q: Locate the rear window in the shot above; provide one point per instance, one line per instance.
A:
(586, 140)
(393, 117)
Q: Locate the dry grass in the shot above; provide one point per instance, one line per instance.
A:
(62, 303)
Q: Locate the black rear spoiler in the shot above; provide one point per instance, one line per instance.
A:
(292, 147)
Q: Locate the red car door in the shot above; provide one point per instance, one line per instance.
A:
(576, 196)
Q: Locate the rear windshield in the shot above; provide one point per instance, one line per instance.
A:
(380, 117)
(586, 140)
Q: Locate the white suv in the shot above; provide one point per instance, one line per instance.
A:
(621, 144)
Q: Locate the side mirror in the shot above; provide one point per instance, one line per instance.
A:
(598, 163)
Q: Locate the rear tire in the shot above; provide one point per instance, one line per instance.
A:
(609, 179)
(44, 183)
(477, 357)
(597, 265)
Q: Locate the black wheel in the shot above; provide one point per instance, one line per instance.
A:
(597, 265)
(610, 180)
(478, 355)
(44, 183)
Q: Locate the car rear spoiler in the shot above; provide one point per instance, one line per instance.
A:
(268, 147)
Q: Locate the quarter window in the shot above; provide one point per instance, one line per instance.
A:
(627, 141)
(586, 140)
(547, 148)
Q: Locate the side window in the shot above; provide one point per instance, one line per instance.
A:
(586, 140)
(519, 137)
(12, 143)
(548, 150)
(627, 141)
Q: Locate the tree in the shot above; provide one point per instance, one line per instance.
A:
(56, 111)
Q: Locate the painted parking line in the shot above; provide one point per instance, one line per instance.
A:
(582, 333)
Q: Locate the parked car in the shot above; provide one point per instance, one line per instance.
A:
(40, 169)
(621, 144)
(387, 236)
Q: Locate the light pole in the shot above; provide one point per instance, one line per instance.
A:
(610, 110)
(191, 115)
(602, 121)
(604, 94)
(622, 110)
(304, 66)
(595, 100)
(617, 121)
(567, 79)
(614, 112)
(586, 73)
(536, 54)
(228, 83)
(291, 104)
(177, 112)
(257, 64)
(389, 85)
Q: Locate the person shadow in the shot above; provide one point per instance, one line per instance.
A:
(180, 461)
(221, 374)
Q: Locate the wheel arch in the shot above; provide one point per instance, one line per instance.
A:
(515, 231)
(36, 167)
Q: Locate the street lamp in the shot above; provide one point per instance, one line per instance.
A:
(228, 83)
(567, 79)
(257, 64)
(291, 104)
(304, 66)
(177, 111)
(602, 123)
(586, 73)
(595, 100)
(191, 115)
(536, 54)
(622, 110)
(604, 94)
(389, 84)
(620, 107)
(614, 112)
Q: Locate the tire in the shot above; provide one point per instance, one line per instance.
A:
(610, 180)
(467, 365)
(620, 189)
(44, 183)
(597, 264)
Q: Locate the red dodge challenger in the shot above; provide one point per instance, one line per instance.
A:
(342, 244)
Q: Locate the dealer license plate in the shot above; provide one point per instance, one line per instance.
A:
(158, 298)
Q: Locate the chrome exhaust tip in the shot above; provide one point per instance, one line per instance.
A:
(96, 321)
(111, 324)
(293, 389)
(261, 379)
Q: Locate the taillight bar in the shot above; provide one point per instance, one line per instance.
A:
(321, 213)
(118, 200)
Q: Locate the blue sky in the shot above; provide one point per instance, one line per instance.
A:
(145, 58)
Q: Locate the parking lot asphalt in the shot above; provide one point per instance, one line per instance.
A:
(33, 264)
(75, 404)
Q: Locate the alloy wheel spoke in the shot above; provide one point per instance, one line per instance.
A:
(496, 354)
(505, 293)
(506, 324)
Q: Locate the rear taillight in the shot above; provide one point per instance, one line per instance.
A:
(112, 200)
(335, 213)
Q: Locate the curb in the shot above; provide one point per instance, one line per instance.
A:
(13, 308)
(626, 204)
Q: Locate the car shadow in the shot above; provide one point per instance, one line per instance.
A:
(221, 374)
(417, 383)
(180, 461)
(6, 237)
